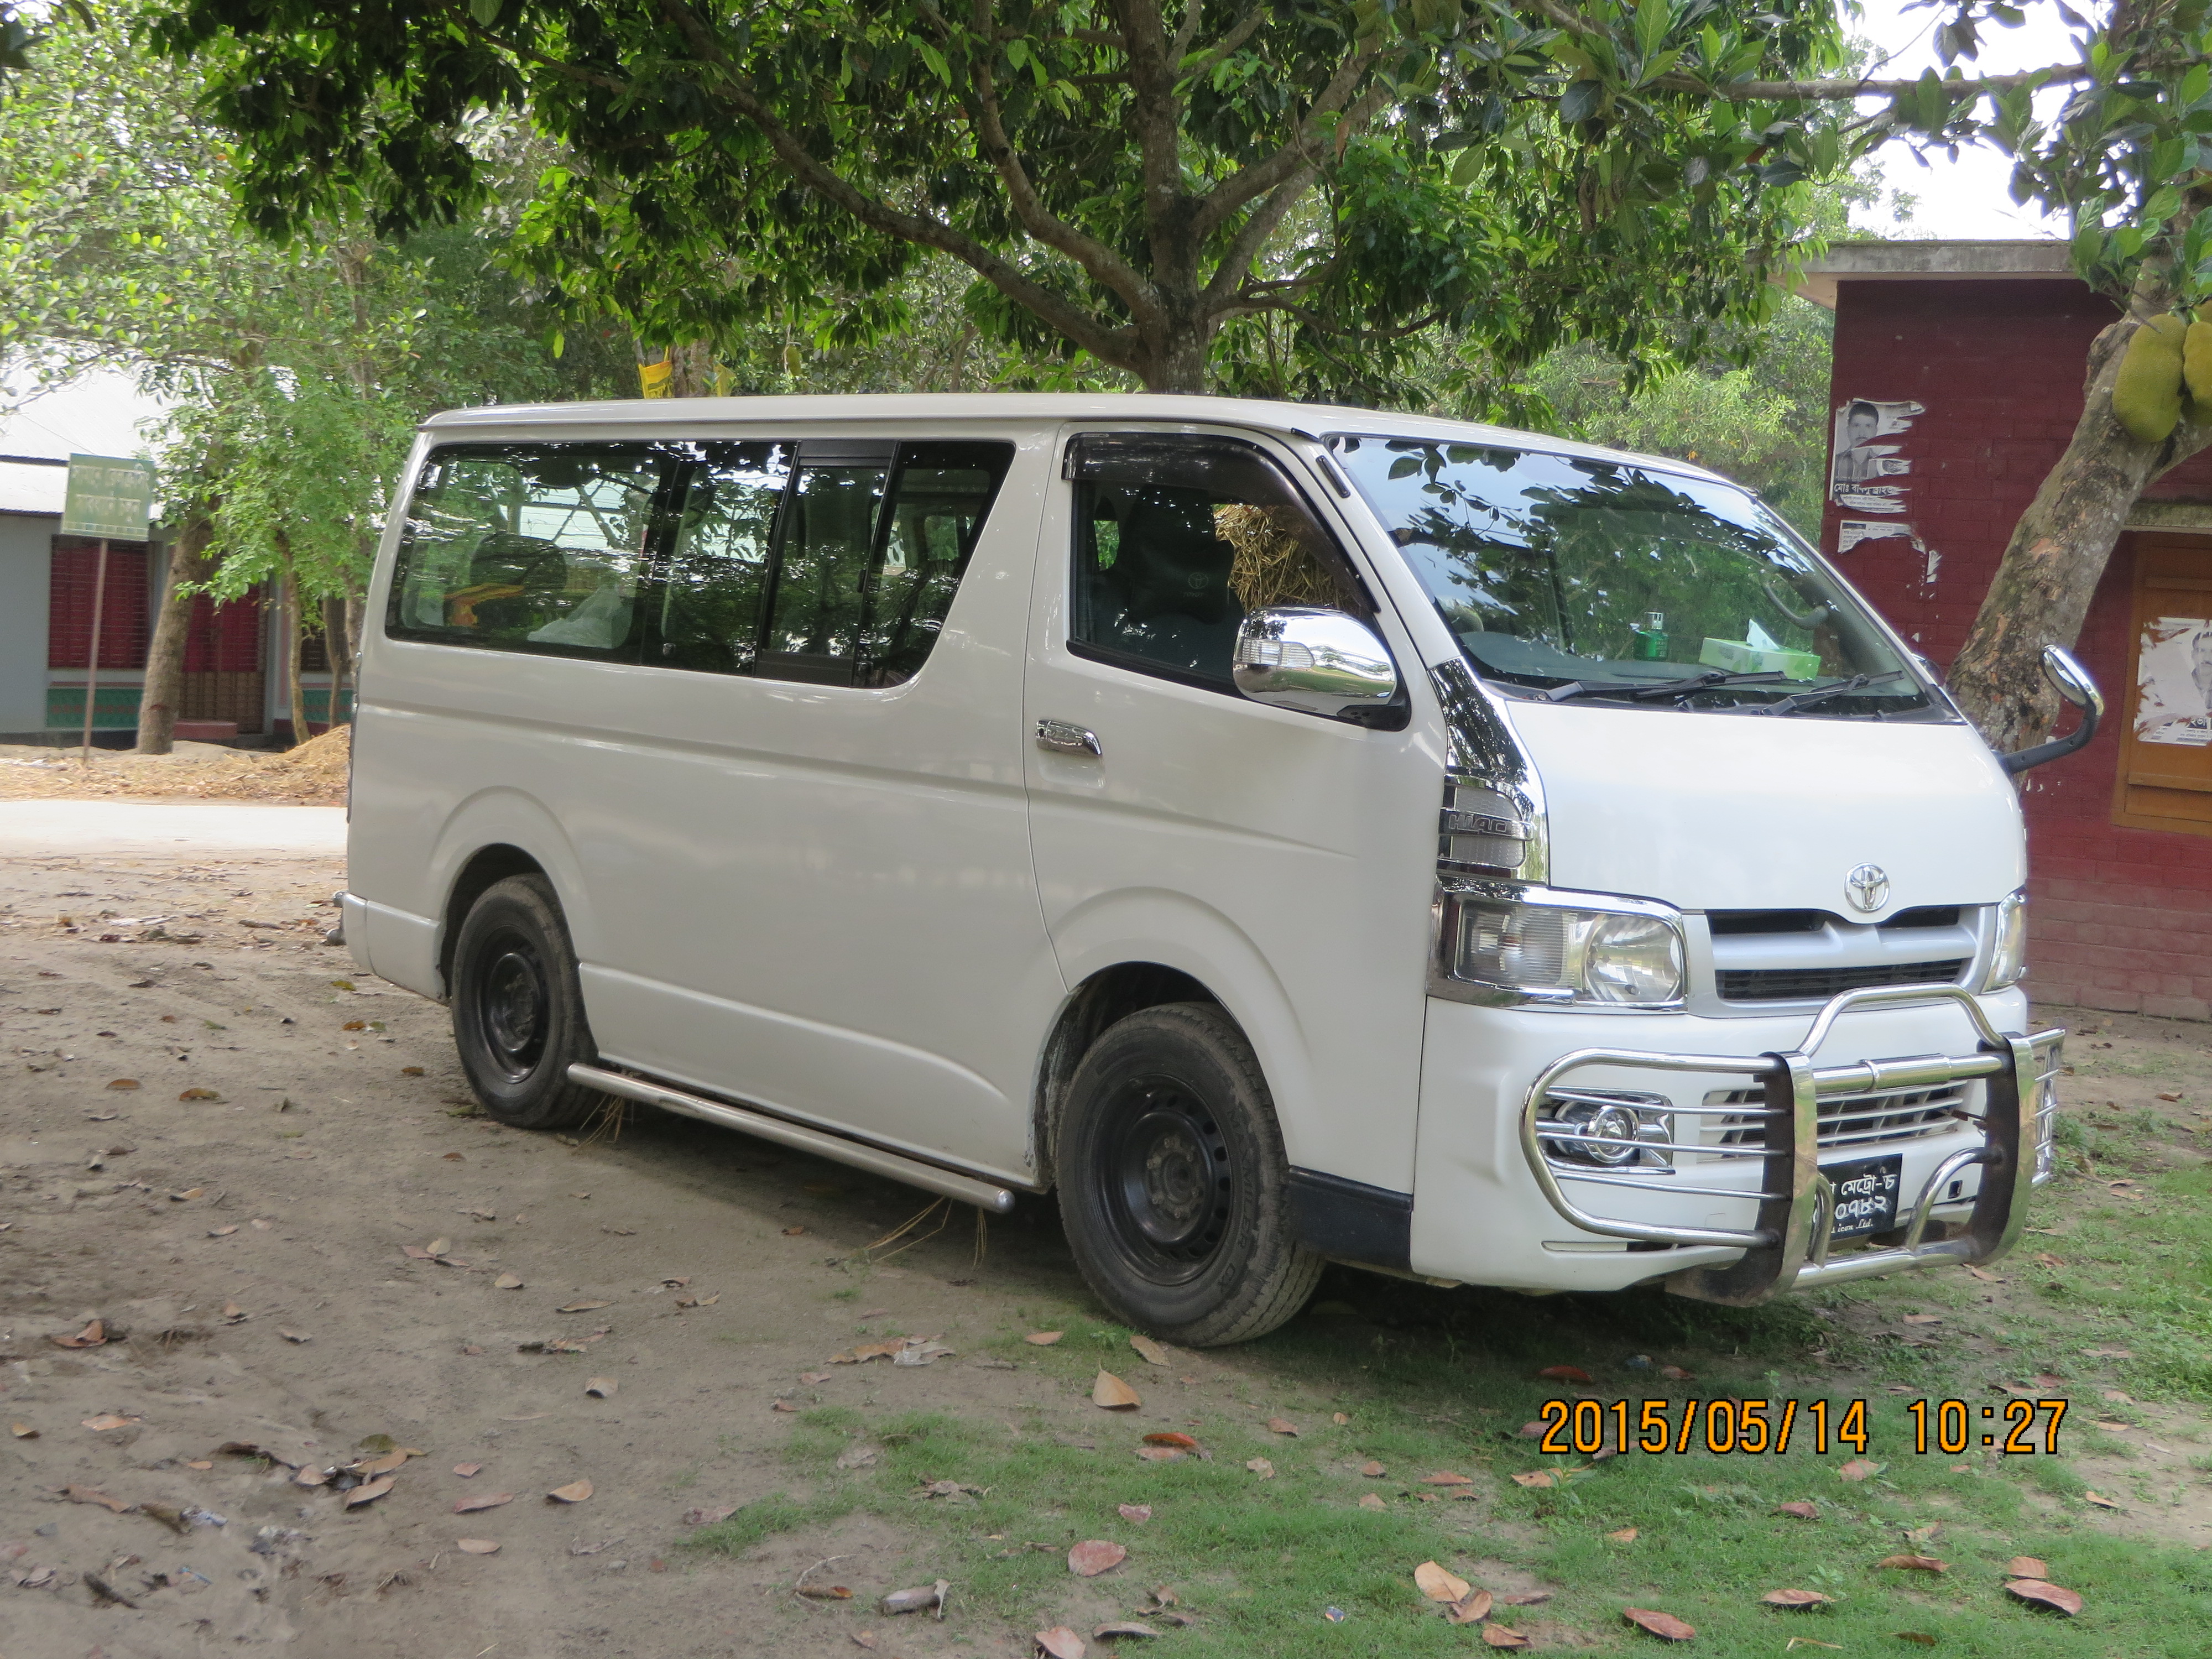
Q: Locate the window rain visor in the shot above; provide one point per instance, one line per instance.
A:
(1576, 578)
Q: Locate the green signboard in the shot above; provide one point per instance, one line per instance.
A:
(108, 497)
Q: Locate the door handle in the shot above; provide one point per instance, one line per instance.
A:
(1064, 737)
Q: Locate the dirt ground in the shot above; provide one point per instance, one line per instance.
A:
(314, 774)
(262, 1176)
(245, 1250)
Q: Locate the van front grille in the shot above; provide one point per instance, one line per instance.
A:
(1848, 1120)
(1818, 984)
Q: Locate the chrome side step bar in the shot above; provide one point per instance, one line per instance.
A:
(983, 1194)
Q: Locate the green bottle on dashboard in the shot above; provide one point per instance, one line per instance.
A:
(1650, 644)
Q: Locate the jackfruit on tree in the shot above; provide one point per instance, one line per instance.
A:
(2197, 371)
(2147, 394)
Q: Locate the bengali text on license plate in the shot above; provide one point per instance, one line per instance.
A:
(1866, 1194)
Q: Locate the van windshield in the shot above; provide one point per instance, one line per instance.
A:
(1585, 579)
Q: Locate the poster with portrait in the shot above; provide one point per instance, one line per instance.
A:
(2173, 682)
(1863, 460)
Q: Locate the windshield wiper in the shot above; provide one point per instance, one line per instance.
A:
(1797, 700)
(1645, 692)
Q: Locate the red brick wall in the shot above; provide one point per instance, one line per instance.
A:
(2121, 918)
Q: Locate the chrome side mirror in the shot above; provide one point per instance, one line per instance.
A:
(2074, 684)
(1317, 661)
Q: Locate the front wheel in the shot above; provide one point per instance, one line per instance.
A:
(518, 1010)
(1173, 1181)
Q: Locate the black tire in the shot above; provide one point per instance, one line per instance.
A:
(1173, 1181)
(518, 1010)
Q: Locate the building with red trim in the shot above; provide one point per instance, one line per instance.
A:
(1957, 378)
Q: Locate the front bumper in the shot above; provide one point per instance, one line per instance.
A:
(1787, 1242)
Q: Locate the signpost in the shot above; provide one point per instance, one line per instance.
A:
(109, 498)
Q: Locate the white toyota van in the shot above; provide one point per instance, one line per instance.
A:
(1293, 834)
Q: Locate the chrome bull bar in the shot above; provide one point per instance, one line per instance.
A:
(1788, 1244)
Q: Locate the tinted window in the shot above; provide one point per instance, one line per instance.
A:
(707, 614)
(528, 548)
(938, 498)
(822, 564)
(1176, 539)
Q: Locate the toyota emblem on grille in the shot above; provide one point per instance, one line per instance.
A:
(1868, 887)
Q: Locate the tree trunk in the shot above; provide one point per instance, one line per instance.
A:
(334, 648)
(164, 654)
(288, 606)
(2056, 556)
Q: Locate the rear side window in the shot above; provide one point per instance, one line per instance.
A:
(831, 562)
(537, 548)
(1176, 539)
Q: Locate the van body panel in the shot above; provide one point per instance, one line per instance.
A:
(1283, 861)
(1740, 812)
(1477, 1216)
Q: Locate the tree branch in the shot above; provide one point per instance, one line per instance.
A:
(1252, 235)
(1106, 268)
(1119, 346)
(1298, 152)
(1156, 119)
(1836, 91)
(1242, 30)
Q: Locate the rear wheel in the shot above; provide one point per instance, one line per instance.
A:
(1172, 1181)
(518, 1010)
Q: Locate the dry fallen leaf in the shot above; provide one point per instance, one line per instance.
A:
(1625, 1535)
(1447, 1477)
(1094, 1556)
(1859, 1470)
(2026, 1566)
(1150, 1351)
(574, 1492)
(1801, 1510)
(1795, 1598)
(410, 1071)
(1161, 1454)
(1525, 1599)
(2045, 1595)
(2100, 1500)
(1043, 1338)
(811, 1378)
(574, 1307)
(22, 1431)
(1470, 1609)
(1281, 1425)
(1674, 1374)
(1438, 1585)
(1986, 1276)
(1340, 1418)
(468, 1471)
(1665, 1625)
(107, 1420)
(93, 1495)
(1924, 1319)
(384, 1465)
(478, 1545)
(1502, 1635)
(92, 1336)
(1372, 1469)
(123, 1082)
(1564, 1374)
(2044, 1259)
(1914, 1563)
(507, 1282)
(1139, 1513)
(292, 1336)
(490, 1500)
(706, 1517)
(792, 1232)
(369, 1492)
(1535, 1479)
(825, 1592)
(1261, 1467)
(1110, 1392)
(1060, 1643)
(1370, 1500)
(603, 1387)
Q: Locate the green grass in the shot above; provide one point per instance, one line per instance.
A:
(1433, 1380)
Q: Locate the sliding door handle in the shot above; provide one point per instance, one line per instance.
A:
(1064, 737)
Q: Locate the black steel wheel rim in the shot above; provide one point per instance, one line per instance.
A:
(514, 1004)
(1168, 1184)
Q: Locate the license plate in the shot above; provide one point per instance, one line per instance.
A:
(1866, 1194)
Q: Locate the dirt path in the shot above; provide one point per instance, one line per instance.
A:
(338, 1134)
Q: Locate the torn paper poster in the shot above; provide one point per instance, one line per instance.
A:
(1861, 460)
(1850, 532)
(2173, 682)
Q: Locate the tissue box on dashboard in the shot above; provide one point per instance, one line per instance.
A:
(1738, 658)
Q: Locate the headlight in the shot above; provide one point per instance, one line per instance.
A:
(1591, 956)
(2009, 951)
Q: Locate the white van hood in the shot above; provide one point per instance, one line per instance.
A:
(1710, 811)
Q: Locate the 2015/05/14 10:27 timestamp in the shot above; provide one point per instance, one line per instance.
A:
(1586, 1427)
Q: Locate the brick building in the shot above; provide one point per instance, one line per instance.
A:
(1956, 383)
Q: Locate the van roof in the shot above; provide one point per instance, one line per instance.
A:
(1311, 420)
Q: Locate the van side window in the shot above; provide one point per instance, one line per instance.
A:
(1176, 539)
(535, 548)
(707, 617)
(828, 532)
(938, 498)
